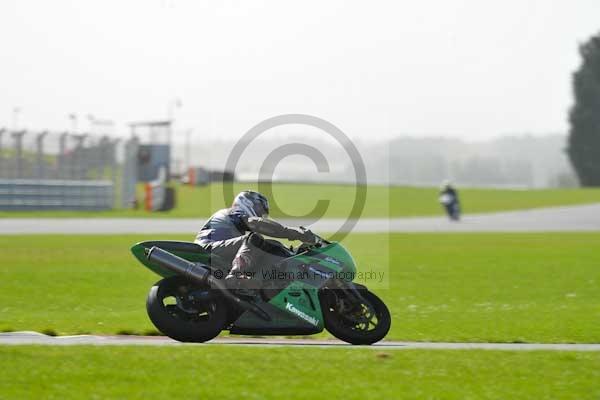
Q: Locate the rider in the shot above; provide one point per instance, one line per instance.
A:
(449, 199)
(235, 235)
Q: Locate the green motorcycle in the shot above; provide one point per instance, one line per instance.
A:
(311, 289)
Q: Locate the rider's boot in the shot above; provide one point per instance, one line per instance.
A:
(239, 276)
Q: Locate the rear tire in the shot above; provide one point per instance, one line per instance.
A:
(356, 326)
(175, 316)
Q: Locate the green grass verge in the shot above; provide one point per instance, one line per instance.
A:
(225, 372)
(440, 287)
(381, 201)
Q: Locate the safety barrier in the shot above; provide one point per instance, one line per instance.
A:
(158, 195)
(154, 195)
(197, 176)
(34, 194)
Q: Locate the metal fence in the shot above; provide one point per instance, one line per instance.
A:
(63, 170)
(48, 155)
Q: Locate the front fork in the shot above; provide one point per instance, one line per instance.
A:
(352, 291)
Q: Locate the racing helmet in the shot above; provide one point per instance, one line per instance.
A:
(446, 184)
(252, 203)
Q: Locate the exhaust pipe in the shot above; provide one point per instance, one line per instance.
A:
(193, 271)
(199, 273)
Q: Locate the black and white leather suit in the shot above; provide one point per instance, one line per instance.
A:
(236, 239)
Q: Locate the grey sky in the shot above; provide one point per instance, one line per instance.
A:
(472, 69)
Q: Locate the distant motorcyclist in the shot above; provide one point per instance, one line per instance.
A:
(235, 235)
(449, 199)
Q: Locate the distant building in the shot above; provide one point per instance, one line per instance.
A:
(155, 148)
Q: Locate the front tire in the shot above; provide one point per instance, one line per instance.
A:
(175, 315)
(355, 323)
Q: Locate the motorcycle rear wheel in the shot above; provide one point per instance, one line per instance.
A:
(362, 323)
(173, 314)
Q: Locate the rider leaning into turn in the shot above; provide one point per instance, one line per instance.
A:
(235, 235)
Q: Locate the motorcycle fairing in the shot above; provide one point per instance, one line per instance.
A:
(296, 309)
(187, 250)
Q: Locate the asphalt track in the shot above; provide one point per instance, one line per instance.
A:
(554, 219)
(28, 338)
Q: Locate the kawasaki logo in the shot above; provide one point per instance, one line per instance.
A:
(311, 320)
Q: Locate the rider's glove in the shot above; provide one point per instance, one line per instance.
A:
(302, 234)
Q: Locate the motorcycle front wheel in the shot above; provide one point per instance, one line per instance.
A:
(363, 322)
(176, 312)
